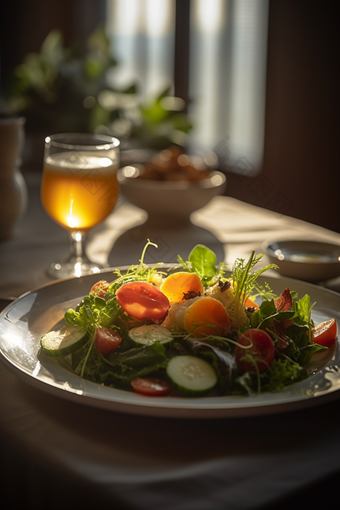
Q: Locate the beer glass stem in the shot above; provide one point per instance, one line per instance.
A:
(77, 262)
(77, 246)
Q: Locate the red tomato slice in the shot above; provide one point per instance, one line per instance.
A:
(143, 300)
(107, 340)
(325, 333)
(100, 288)
(262, 351)
(151, 386)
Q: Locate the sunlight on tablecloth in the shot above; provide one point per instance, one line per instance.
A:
(240, 227)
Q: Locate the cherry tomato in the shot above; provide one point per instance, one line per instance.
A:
(151, 386)
(143, 300)
(325, 333)
(100, 288)
(107, 340)
(262, 351)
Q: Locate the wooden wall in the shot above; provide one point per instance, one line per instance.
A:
(301, 168)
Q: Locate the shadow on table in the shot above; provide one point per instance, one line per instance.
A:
(171, 241)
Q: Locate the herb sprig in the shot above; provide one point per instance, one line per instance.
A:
(246, 280)
(138, 272)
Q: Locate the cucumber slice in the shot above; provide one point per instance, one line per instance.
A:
(63, 341)
(150, 333)
(191, 375)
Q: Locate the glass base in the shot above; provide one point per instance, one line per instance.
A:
(73, 268)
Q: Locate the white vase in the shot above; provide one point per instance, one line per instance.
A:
(13, 191)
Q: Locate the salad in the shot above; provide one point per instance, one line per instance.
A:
(195, 329)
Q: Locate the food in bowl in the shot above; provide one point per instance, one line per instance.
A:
(171, 186)
(173, 165)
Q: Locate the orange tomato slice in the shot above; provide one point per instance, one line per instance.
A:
(249, 303)
(176, 285)
(325, 333)
(206, 316)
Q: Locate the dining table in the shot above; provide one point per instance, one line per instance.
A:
(59, 452)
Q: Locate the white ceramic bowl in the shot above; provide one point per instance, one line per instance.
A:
(169, 201)
(311, 261)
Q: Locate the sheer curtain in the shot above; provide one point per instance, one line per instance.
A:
(142, 40)
(227, 42)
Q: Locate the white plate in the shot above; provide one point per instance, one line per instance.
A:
(24, 321)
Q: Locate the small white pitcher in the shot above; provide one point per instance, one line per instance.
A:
(13, 191)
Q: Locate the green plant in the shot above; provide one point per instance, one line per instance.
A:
(58, 90)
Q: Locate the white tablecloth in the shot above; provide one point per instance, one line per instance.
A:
(229, 227)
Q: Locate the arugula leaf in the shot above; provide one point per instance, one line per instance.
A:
(301, 348)
(267, 312)
(202, 261)
(303, 309)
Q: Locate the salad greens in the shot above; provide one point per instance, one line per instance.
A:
(108, 311)
(94, 311)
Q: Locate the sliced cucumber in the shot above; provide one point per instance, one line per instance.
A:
(191, 375)
(149, 334)
(63, 341)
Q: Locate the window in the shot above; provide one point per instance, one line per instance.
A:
(142, 38)
(218, 67)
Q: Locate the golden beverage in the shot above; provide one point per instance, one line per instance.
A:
(79, 189)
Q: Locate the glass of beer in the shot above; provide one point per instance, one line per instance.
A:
(79, 190)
